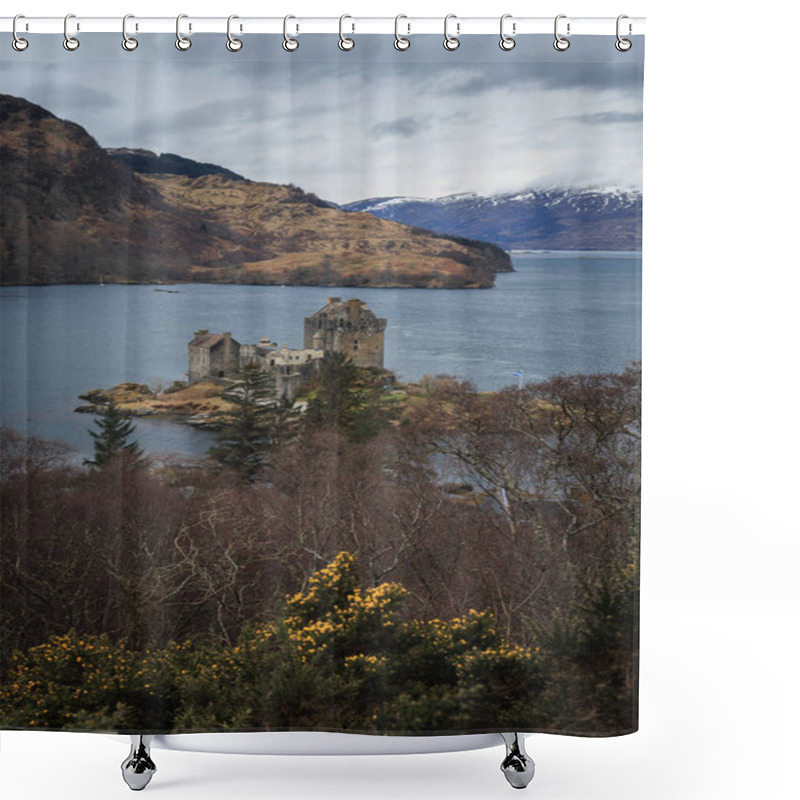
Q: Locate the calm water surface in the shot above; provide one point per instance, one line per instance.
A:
(558, 313)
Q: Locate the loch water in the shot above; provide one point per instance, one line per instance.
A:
(557, 313)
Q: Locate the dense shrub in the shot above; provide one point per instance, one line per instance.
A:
(535, 524)
(591, 652)
(340, 657)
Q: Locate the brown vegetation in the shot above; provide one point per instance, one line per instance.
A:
(139, 400)
(71, 213)
(523, 503)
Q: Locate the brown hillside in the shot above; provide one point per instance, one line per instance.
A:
(71, 213)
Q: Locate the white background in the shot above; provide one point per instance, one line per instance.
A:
(719, 696)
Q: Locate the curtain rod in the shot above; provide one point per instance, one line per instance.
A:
(462, 26)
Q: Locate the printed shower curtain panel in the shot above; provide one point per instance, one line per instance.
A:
(320, 385)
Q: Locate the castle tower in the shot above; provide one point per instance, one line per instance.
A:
(212, 355)
(347, 327)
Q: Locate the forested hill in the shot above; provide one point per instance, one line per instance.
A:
(73, 213)
(149, 163)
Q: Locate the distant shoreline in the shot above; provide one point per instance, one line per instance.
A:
(360, 286)
(553, 251)
(159, 283)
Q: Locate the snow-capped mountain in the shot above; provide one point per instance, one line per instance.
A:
(607, 218)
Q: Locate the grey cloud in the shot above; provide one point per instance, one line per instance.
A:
(467, 81)
(622, 77)
(404, 127)
(465, 84)
(86, 98)
(348, 129)
(459, 117)
(607, 117)
(310, 139)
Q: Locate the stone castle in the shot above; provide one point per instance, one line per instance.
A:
(347, 327)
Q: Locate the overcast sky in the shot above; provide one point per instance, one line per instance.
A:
(349, 129)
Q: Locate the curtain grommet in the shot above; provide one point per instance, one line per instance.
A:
(451, 42)
(561, 43)
(129, 43)
(345, 42)
(507, 42)
(70, 43)
(233, 44)
(290, 44)
(622, 44)
(401, 43)
(18, 43)
(181, 42)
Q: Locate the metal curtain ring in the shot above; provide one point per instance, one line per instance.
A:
(289, 44)
(18, 43)
(400, 42)
(233, 44)
(561, 43)
(181, 42)
(451, 42)
(128, 42)
(70, 42)
(623, 45)
(507, 42)
(345, 43)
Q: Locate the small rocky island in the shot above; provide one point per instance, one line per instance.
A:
(195, 405)
(215, 359)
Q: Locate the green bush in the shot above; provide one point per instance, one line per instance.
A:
(340, 657)
(591, 656)
(79, 682)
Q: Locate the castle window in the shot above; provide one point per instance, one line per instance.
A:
(355, 344)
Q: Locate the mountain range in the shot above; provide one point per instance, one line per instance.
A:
(546, 219)
(73, 212)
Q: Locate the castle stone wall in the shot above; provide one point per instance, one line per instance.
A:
(347, 327)
(213, 355)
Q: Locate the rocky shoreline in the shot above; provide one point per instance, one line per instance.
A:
(197, 405)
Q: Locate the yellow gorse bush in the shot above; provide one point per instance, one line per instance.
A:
(336, 614)
(57, 681)
(342, 655)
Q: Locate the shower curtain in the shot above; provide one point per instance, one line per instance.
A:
(320, 384)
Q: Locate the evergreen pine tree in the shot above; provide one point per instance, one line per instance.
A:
(348, 398)
(112, 439)
(254, 426)
(333, 404)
